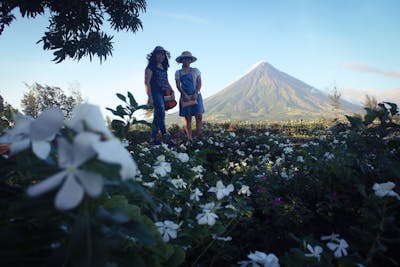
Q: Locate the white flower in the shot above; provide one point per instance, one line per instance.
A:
(207, 217)
(314, 251)
(261, 259)
(245, 190)
(88, 117)
(198, 169)
(196, 195)
(288, 150)
(36, 132)
(300, 159)
(385, 189)
(331, 237)
(339, 248)
(284, 175)
(112, 151)
(226, 239)
(75, 181)
(167, 229)
(178, 210)
(328, 156)
(149, 184)
(162, 168)
(178, 183)
(220, 190)
(183, 157)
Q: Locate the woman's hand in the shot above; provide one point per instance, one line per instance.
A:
(150, 101)
(194, 96)
(186, 97)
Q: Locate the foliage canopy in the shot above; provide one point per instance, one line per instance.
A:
(75, 26)
(40, 98)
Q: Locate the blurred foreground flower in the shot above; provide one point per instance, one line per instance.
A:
(75, 181)
(88, 117)
(36, 132)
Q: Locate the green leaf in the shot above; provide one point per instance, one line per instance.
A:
(114, 112)
(117, 124)
(176, 258)
(132, 101)
(121, 111)
(122, 97)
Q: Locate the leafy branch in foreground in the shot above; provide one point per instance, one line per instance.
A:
(384, 113)
(126, 113)
(75, 26)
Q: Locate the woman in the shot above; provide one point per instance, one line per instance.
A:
(156, 83)
(188, 82)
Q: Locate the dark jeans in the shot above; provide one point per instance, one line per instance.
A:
(159, 114)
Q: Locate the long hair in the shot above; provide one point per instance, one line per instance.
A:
(151, 58)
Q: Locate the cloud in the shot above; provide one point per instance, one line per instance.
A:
(185, 18)
(358, 95)
(369, 69)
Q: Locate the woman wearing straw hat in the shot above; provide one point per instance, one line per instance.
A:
(188, 82)
(156, 83)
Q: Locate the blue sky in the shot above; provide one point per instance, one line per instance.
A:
(350, 43)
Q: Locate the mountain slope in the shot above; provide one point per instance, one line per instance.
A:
(265, 93)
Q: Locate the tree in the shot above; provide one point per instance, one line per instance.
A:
(335, 98)
(6, 114)
(75, 25)
(370, 102)
(40, 97)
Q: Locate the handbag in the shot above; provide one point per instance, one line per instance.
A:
(188, 103)
(169, 99)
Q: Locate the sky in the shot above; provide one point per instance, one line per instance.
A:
(350, 44)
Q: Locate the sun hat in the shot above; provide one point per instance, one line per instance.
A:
(185, 54)
(158, 49)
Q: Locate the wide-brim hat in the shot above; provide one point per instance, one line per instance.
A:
(185, 54)
(158, 49)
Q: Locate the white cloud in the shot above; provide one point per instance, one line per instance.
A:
(369, 69)
(358, 95)
(184, 17)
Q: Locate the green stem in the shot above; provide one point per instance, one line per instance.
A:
(208, 246)
(377, 237)
(88, 233)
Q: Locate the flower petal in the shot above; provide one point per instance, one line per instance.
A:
(41, 149)
(70, 194)
(91, 182)
(18, 146)
(64, 151)
(46, 185)
(83, 147)
(112, 151)
(47, 125)
(90, 116)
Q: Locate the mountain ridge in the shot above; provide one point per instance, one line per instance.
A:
(266, 93)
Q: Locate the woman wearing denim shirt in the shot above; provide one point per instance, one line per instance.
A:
(156, 83)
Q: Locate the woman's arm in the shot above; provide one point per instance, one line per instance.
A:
(179, 86)
(147, 77)
(198, 86)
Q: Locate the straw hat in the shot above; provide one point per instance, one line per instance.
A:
(185, 54)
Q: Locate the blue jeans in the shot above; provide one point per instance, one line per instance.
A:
(159, 114)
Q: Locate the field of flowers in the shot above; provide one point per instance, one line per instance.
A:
(292, 194)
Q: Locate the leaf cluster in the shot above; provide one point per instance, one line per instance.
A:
(75, 27)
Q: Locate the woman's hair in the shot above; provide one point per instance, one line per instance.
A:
(152, 63)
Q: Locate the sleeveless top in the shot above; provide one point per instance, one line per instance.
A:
(159, 79)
